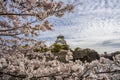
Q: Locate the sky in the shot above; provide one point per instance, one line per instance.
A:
(94, 24)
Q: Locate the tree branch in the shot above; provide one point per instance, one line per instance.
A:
(24, 76)
(8, 34)
(17, 14)
(115, 72)
(16, 27)
(18, 76)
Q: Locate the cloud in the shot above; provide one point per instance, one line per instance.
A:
(94, 24)
(111, 43)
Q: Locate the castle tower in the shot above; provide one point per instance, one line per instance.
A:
(60, 44)
(60, 40)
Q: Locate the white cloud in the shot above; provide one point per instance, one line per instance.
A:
(91, 24)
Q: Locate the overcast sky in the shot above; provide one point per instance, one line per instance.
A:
(95, 24)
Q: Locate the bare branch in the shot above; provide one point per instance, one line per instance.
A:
(115, 72)
(8, 34)
(2, 14)
(15, 28)
(10, 74)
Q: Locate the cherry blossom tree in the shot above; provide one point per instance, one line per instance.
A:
(21, 19)
(20, 63)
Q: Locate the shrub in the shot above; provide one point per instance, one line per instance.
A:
(25, 46)
(77, 49)
(42, 49)
(56, 48)
(110, 56)
(85, 55)
(115, 53)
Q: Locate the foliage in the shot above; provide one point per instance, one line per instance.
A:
(91, 55)
(43, 49)
(38, 47)
(77, 49)
(25, 46)
(58, 47)
(85, 55)
(111, 55)
(115, 53)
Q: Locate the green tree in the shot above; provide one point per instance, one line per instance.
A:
(85, 55)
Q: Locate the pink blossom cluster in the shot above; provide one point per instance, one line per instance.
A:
(25, 64)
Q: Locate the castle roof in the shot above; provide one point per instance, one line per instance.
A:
(60, 36)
